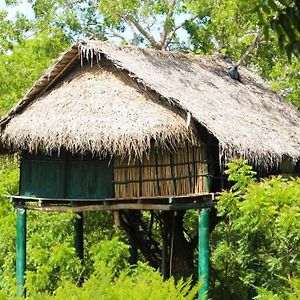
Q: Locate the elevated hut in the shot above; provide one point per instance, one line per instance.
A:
(117, 127)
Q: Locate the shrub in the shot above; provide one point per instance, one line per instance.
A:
(257, 242)
(136, 283)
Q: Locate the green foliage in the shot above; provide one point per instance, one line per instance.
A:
(257, 242)
(19, 69)
(285, 79)
(11, 32)
(143, 22)
(113, 253)
(73, 20)
(241, 174)
(50, 253)
(9, 174)
(283, 18)
(291, 293)
(141, 282)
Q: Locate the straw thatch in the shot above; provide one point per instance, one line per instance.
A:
(93, 110)
(247, 118)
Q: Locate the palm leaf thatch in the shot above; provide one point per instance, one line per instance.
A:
(246, 118)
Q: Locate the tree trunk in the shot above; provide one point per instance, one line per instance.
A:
(179, 250)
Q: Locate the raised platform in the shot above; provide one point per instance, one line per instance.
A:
(170, 203)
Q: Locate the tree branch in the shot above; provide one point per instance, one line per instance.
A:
(169, 16)
(133, 30)
(140, 235)
(139, 27)
(250, 48)
(116, 34)
(173, 32)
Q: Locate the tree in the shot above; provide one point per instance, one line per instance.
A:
(152, 22)
(231, 28)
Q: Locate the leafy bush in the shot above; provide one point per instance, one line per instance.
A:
(140, 282)
(290, 293)
(9, 174)
(257, 243)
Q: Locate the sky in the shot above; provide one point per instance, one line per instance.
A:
(24, 7)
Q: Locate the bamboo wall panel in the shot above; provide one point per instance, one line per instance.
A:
(161, 173)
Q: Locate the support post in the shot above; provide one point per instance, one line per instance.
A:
(78, 238)
(21, 252)
(203, 259)
(164, 254)
(133, 252)
(134, 223)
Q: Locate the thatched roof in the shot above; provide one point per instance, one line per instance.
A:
(94, 110)
(247, 118)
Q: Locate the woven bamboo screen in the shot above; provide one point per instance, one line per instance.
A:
(161, 173)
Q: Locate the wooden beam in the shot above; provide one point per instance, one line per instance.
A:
(117, 220)
(115, 207)
(97, 207)
(173, 203)
(141, 199)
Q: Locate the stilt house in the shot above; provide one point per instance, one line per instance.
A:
(117, 127)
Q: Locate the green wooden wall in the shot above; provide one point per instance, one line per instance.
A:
(66, 177)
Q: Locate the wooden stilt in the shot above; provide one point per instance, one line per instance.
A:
(78, 237)
(133, 246)
(164, 254)
(203, 259)
(133, 252)
(21, 252)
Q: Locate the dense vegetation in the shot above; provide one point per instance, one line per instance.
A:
(255, 246)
